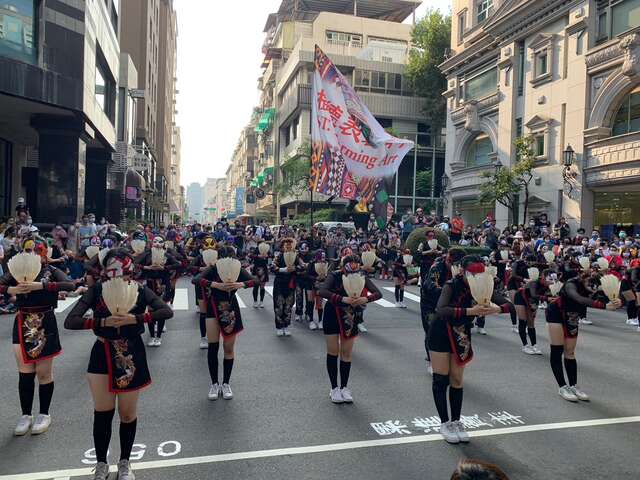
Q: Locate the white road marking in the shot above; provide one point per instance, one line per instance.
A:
(269, 290)
(335, 447)
(384, 303)
(181, 300)
(241, 303)
(66, 303)
(408, 295)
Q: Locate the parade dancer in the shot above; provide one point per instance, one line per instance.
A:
(260, 270)
(284, 286)
(516, 281)
(35, 338)
(316, 280)
(562, 315)
(118, 367)
(439, 274)
(304, 293)
(195, 267)
(158, 278)
(450, 344)
(527, 301)
(401, 277)
(340, 324)
(223, 318)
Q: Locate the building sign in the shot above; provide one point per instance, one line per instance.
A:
(140, 162)
(240, 200)
(17, 35)
(133, 197)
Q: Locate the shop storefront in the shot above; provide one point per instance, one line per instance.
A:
(473, 212)
(616, 211)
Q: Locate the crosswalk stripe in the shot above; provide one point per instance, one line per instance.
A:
(269, 290)
(181, 299)
(241, 303)
(408, 295)
(66, 303)
(384, 303)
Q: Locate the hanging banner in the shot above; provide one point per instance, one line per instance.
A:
(352, 154)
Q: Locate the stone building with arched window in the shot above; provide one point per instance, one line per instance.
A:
(568, 74)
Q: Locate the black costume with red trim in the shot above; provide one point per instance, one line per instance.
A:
(284, 289)
(118, 352)
(570, 305)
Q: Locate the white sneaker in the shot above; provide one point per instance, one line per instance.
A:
(429, 368)
(528, 350)
(164, 329)
(632, 321)
(449, 432)
(398, 305)
(336, 395)
(23, 426)
(536, 350)
(320, 326)
(286, 332)
(298, 318)
(260, 305)
(151, 342)
(158, 342)
(566, 392)
(542, 306)
(124, 471)
(463, 436)
(214, 392)
(362, 328)
(481, 331)
(638, 329)
(347, 396)
(579, 393)
(255, 304)
(403, 305)
(514, 329)
(204, 343)
(313, 326)
(41, 424)
(227, 394)
(101, 471)
(280, 332)
(584, 321)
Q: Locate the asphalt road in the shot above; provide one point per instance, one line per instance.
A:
(282, 425)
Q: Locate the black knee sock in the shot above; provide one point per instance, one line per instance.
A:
(332, 370)
(556, 364)
(571, 366)
(263, 291)
(212, 360)
(26, 390)
(160, 328)
(439, 389)
(255, 292)
(45, 393)
(514, 316)
(402, 294)
(203, 325)
(632, 310)
(455, 402)
(397, 293)
(532, 335)
(127, 437)
(522, 330)
(102, 433)
(345, 370)
(227, 367)
(152, 328)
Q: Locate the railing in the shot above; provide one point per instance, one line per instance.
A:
(301, 98)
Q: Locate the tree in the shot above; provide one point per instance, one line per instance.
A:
(424, 182)
(431, 38)
(506, 185)
(295, 173)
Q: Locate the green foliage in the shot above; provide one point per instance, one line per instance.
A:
(481, 251)
(294, 173)
(431, 37)
(419, 235)
(424, 181)
(506, 185)
(322, 215)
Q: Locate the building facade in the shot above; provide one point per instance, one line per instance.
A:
(566, 74)
(59, 68)
(370, 46)
(195, 202)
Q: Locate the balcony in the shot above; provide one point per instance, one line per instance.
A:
(300, 99)
(271, 71)
(384, 105)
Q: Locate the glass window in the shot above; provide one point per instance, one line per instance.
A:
(405, 176)
(539, 146)
(362, 80)
(625, 15)
(484, 8)
(627, 120)
(616, 209)
(481, 85)
(541, 63)
(101, 88)
(462, 25)
(17, 30)
(378, 82)
(479, 151)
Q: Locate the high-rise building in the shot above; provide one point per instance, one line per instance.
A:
(59, 68)
(370, 45)
(195, 202)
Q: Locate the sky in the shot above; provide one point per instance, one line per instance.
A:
(219, 57)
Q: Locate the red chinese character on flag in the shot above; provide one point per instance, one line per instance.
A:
(324, 104)
(351, 128)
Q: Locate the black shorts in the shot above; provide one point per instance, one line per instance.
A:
(330, 322)
(439, 336)
(98, 359)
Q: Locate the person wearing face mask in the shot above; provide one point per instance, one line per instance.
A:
(562, 315)
(86, 231)
(342, 315)
(450, 344)
(35, 338)
(284, 286)
(527, 300)
(118, 368)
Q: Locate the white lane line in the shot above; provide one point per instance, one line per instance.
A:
(334, 447)
(408, 295)
(384, 303)
(241, 304)
(181, 300)
(66, 303)
(269, 290)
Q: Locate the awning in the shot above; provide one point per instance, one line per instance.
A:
(266, 120)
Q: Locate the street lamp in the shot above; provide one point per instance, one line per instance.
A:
(568, 175)
(498, 166)
(444, 181)
(568, 155)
